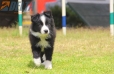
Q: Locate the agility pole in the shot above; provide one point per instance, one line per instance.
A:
(64, 16)
(20, 16)
(112, 17)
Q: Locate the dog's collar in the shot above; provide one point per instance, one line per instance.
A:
(36, 34)
(39, 35)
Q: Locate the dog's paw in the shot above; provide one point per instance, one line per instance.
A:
(48, 64)
(37, 61)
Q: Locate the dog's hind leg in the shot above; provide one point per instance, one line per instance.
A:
(42, 57)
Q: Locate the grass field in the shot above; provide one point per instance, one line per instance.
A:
(81, 51)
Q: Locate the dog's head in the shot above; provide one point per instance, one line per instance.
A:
(43, 22)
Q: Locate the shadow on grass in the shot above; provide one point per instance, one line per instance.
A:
(32, 65)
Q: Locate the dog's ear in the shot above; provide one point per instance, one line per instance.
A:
(48, 14)
(35, 18)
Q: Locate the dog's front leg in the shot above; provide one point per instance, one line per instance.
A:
(48, 55)
(36, 55)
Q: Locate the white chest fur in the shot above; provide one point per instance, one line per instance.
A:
(42, 43)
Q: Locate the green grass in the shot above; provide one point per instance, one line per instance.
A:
(81, 51)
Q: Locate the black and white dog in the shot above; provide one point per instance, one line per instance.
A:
(42, 36)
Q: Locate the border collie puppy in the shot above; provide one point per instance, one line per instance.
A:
(42, 36)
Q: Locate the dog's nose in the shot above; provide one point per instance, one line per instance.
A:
(46, 31)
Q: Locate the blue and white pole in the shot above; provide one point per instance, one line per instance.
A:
(64, 16)
(112, 17)
(20, 16)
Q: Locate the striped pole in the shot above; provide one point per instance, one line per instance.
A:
(34, 6)
(20, 16)
(64, 16)
(112, 17)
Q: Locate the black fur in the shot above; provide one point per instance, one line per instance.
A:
(36, 27)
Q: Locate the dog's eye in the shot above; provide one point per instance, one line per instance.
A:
(48, 22)
(40, 23)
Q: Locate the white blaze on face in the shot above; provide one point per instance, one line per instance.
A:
(44, 29)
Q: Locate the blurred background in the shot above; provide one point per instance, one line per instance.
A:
(79, 13)
(87, 47)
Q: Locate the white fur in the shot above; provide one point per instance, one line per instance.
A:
(37, 61)
(48, 64)
(44, 27)
(36, 34)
